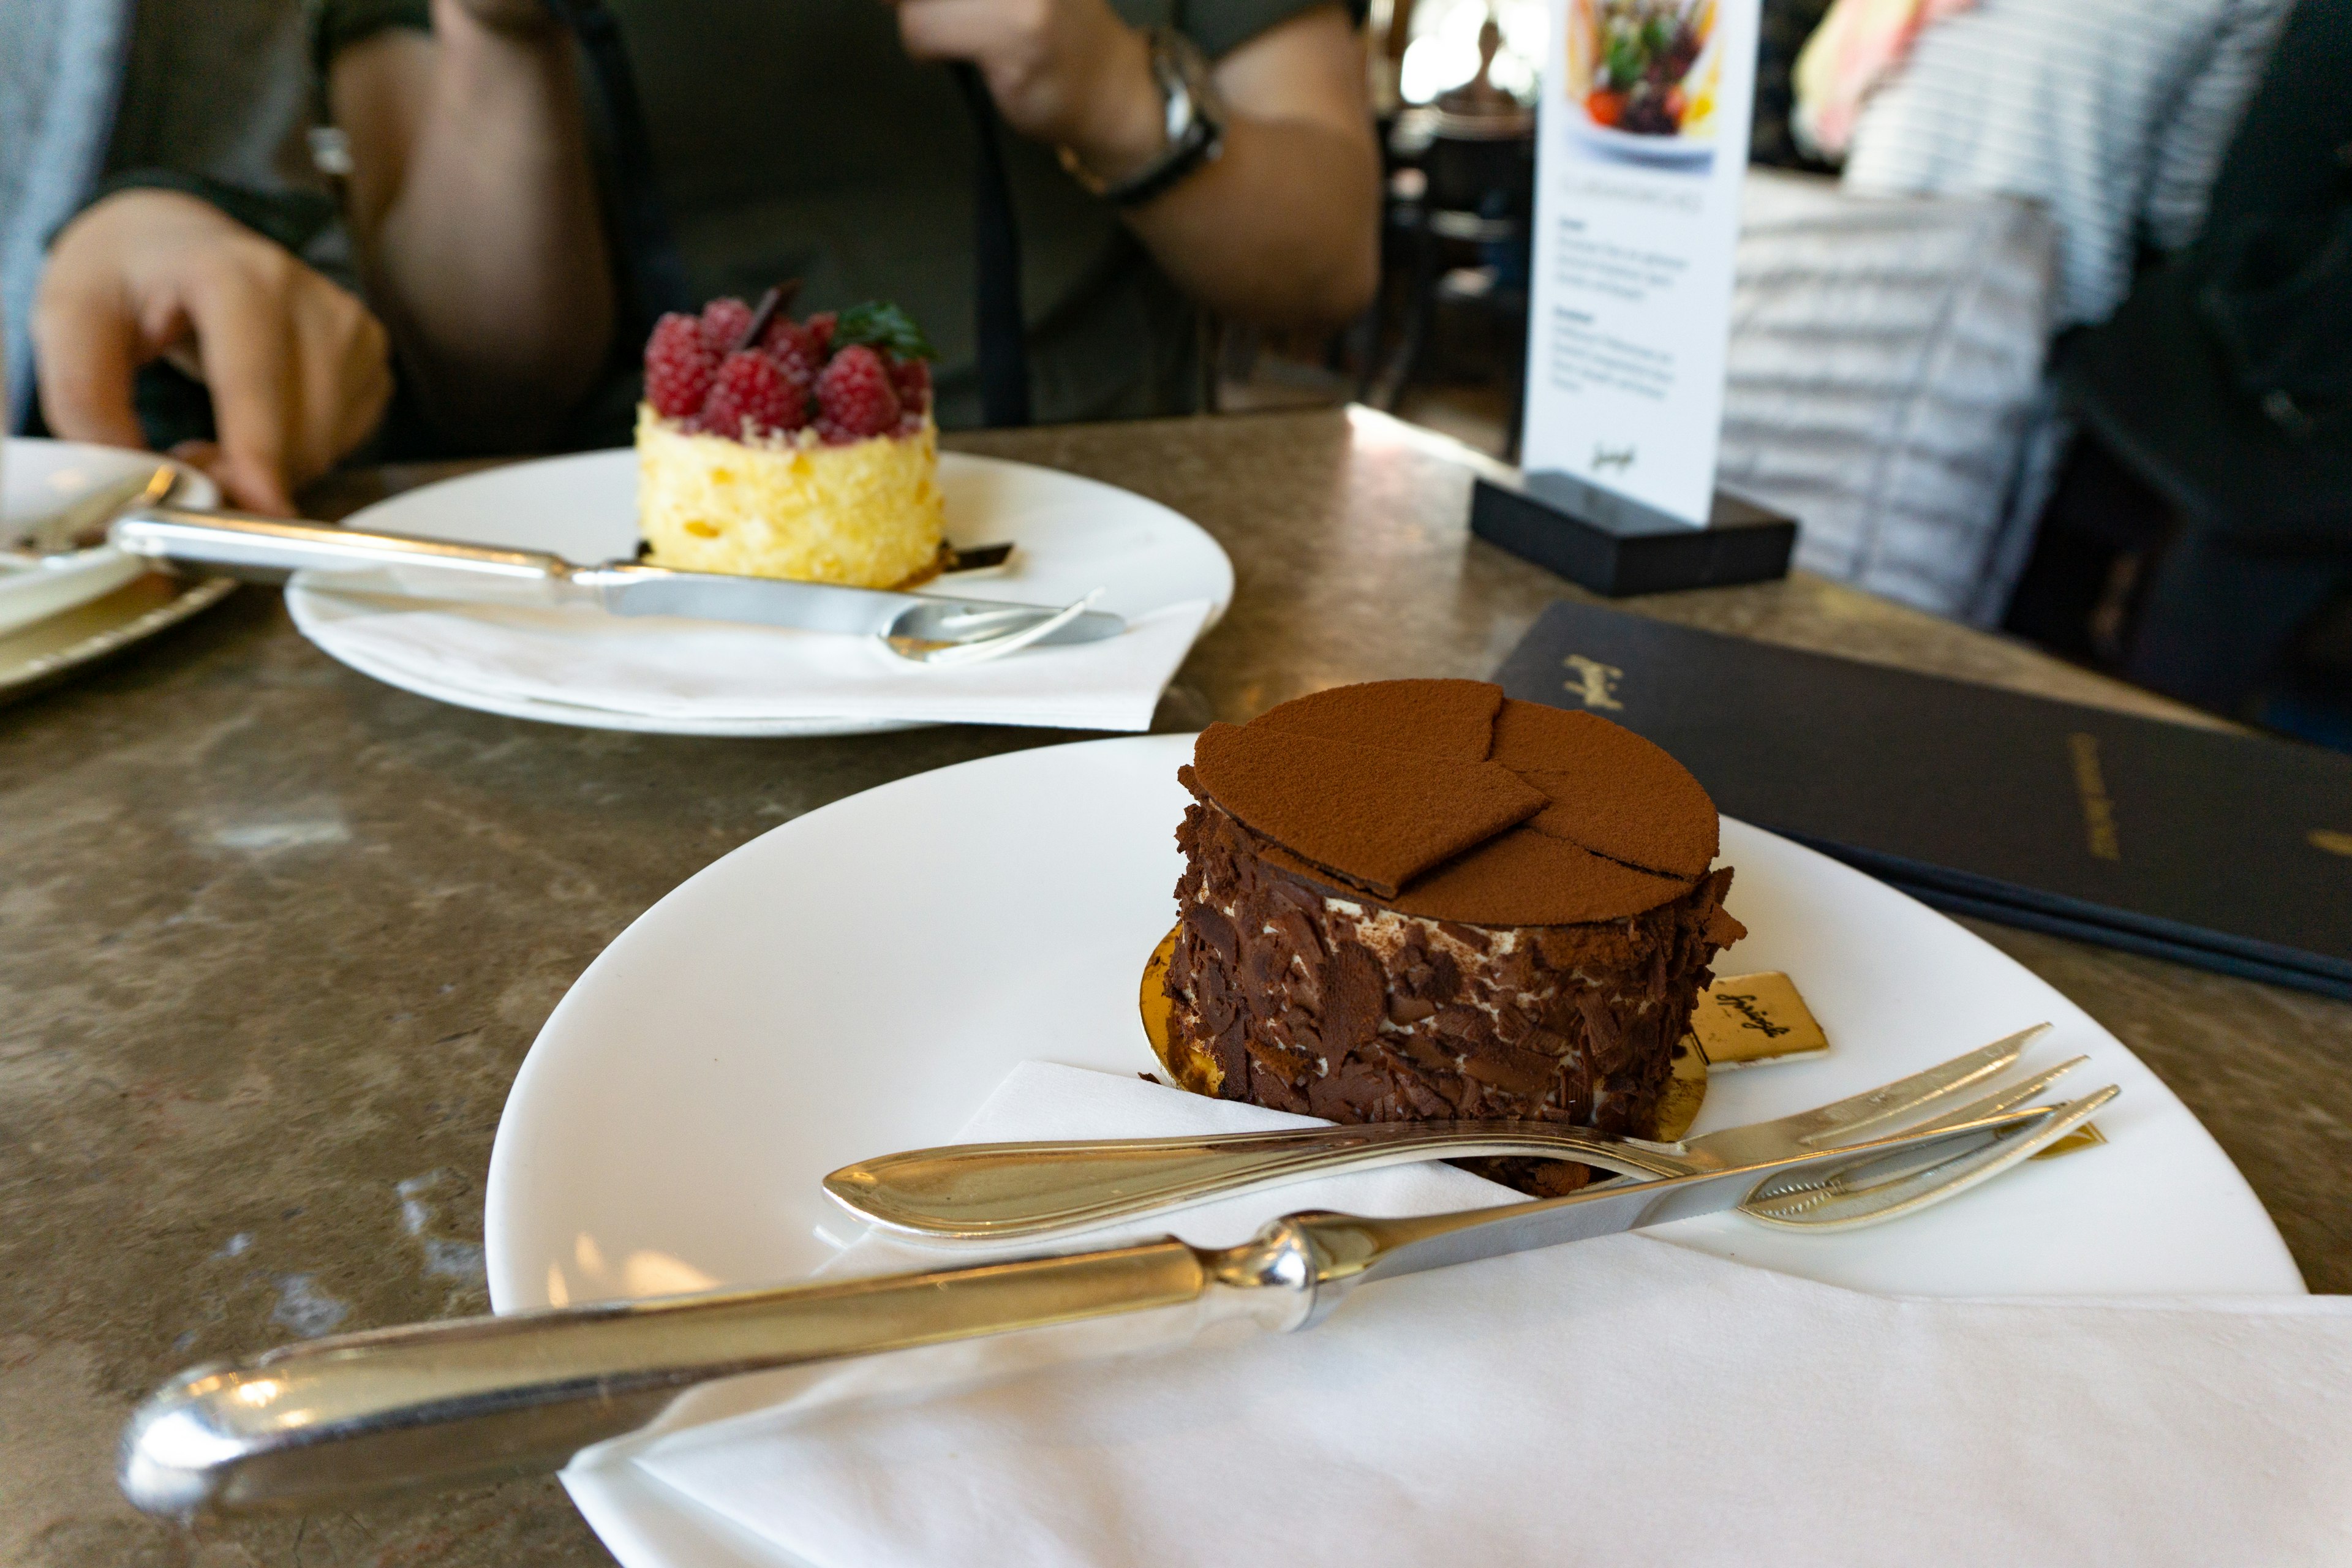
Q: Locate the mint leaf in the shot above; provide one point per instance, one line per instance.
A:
(882, 326)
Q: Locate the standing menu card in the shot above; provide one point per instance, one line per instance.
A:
(1641, 143)
(2223, 850)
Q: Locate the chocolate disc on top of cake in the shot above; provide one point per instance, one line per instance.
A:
(1417, 900)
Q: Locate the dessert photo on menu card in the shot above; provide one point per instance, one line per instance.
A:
(1642, 143)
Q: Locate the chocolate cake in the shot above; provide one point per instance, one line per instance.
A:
(1417, 900)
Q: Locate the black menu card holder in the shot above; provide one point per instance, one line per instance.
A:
(2229, 851)
(1616, 545)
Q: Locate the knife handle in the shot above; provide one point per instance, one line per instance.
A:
(269, 549)
(336, 1421)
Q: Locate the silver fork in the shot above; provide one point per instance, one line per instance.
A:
(1025, 1191)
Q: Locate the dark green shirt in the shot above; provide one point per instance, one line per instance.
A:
(795, 139)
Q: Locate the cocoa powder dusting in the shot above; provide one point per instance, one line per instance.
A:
(1440, 798)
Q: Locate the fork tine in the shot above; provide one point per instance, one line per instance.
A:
(981, 650)
(1909, 1094)
(1894, 1165)
(1874, 1203)
(2001, 1100)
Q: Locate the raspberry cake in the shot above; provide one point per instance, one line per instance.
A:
(1417, 900)
(776, 448)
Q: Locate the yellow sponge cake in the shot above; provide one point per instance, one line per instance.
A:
(773, 447)
(868, 514)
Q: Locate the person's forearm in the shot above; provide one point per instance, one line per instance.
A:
(488, 253)
(1281, 229)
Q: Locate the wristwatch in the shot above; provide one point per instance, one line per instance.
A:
(1196, 125)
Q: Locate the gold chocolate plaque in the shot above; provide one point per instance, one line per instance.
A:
(1743, 1019)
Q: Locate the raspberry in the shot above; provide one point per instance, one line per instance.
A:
(912, 378)
(854, 396)
(678, 369)
(723, 321)
(753, 397)
(819, 329)
(795, 348)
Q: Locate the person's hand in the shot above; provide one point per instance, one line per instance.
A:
(1065, 72)
(298, 370)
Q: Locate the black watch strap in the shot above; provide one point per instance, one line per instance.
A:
(1202, 142)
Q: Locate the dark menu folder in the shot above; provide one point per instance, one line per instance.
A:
(2217, 849)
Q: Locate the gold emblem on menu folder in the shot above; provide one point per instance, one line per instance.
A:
(1596, 683)
(2331, 841)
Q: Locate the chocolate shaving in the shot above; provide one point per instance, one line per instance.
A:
(1319, 1007)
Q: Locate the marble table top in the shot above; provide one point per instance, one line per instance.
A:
(274, 938)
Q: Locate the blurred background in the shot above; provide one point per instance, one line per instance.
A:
(2042, 317)
(2041, 323)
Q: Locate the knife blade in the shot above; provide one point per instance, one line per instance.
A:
(348, 560)
(333, 1421)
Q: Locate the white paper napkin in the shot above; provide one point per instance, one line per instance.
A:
(1620, 1401)
(658, 667)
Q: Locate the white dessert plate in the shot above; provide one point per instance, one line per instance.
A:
(37, 477)
(859, 979)
(1072, 535)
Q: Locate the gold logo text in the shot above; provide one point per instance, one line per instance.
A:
(1752, 1016)
(2098, 809)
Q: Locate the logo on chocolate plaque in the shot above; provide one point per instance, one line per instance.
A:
(1641, 141)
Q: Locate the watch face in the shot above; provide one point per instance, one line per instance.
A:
(1185, 78)
(1195, 126)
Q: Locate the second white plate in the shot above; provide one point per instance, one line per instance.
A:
(1073, 535)
(39, 476)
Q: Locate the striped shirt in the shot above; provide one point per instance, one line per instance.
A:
(2113, 114)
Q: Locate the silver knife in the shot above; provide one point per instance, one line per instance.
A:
(334, 1421)
(403, 565)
